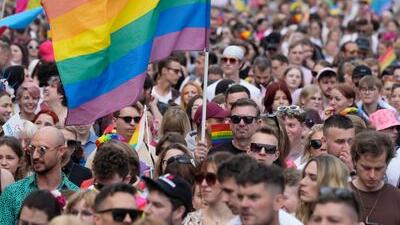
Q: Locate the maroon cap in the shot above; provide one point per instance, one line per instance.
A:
(213, 110)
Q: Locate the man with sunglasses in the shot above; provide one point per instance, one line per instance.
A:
(231, 63)
(45, 153)
(244, 121)
(264, 146)
(169, 199)
(116, 205)
(169, 73)
(126, 120)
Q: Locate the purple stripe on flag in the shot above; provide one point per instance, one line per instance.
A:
(125, 94)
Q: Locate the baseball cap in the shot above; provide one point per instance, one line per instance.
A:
(213, 110)
(383, 119)
(363, 43)
(233, 51)
(172, 186)
(361, 71)
(327, 71)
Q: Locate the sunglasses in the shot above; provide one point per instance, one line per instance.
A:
(42, 150)
(32, 47)
(119, 214)
(182, 159)
(315, 144)
(246, 119)
(176, 71)
(211, 178)
(257, 147)
(229, 60)
(128, 119)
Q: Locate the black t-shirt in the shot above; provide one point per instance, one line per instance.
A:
(227, 147)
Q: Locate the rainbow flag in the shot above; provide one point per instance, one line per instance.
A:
(102, 47)
(22, 5)
(137, 138)
(387, 59)
(220, 134)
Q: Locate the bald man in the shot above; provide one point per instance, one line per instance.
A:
(45, 152)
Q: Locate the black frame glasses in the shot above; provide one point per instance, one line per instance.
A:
(246, 119)
(315, 143)
(128, 119)
(119, 214)
(269, 149)
(211, 178)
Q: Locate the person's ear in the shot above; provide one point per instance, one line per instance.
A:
(278, 201)
(177, 214)
(127, 179)
(277, 154)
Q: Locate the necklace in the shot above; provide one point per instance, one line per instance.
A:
(363, 206)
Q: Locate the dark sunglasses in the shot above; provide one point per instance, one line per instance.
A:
(119, 214)
(315, 144)
(32, 47)
(128, 119)
(246, 119)
(182, 159)
(257, 147)
(211, 178)
(230, 60)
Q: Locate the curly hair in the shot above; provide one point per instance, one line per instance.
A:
(109, 160)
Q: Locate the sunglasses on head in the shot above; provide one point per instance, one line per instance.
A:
(211, 178)
(128, 119)
(257, 147)
(229, 60)
(119, 214)
(182, 159)
(246, 119)
(315, 144)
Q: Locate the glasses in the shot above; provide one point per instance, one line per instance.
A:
(119, 214)
(257, 147)
(365, 89)
(316, 144)
(176, 71)
(42, 150)
(182, 159)
(24, 222)
(229, 60)
(246, 119)
(128, 119)
(211, 178)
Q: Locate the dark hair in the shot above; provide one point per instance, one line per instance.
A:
(234, 166)
(110, 191)
(165, 62)
(271, 92)
(190, 106)
(158, 167)
(341, 196)
(281, 58)
(292, 177)
(44, 201)
(246, 102)
(373, 143)
(24, 53)
(236, 88)
(15, 76)
(214, 159)
(49, 112)
(337, 121)
(185, 170)
(268, 175)
(110, 160)
(215, 69)
(16, 147)
(148, 83)
(43, 71)
(172, 137)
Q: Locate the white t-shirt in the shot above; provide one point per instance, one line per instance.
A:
(393, 171)
(164, 99)
(254, 92)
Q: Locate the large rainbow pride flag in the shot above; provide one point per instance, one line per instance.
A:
(102, 47)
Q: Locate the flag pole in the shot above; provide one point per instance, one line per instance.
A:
(204, 106)
(3, 9)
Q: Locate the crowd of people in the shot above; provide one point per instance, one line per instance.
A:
(305, 96)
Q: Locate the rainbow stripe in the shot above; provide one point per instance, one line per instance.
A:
(387, 59)
(22, 5)
(138, 136)
(102, 47)
(220, 134)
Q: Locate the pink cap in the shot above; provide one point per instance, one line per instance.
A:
(383, 119)
(46, 51)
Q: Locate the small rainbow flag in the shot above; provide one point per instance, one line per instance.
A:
(220, 134)
(387, 59)
(137, 138)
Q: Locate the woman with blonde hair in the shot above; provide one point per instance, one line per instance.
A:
(313, 144)
(320, 171)
(189, 90)
(175, 119)
(311, 98)
(80, 205)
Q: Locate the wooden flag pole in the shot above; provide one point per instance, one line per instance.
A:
(205, 84)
